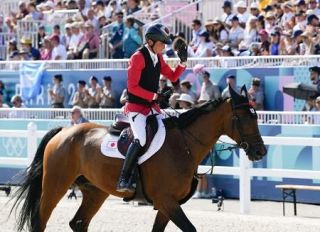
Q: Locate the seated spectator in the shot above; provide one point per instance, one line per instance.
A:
(12, 47)
(24, 54)
(173, 103)
(313, 7)
(236, 33)
(93, 20)
(275, 43)
(26, 44)
(254, 9)
(46, 50)
(107, 95)
(288, 14)
(186, 86)
(116, 44)
(185, 101)
(59, 51)
(77, 116)
(131, 38)
(219, 33)
(318, 103)
(23, 11)
(289, 46)
(300, 21)
(163, 89)
(80, 95)
(242, 15)
(74, 40)
(256, 95)
(310, 105)
(2, 100)
(89, 43)
(41, 35)
(205, 46)
(68, 34)
(16, 102)
(270, 22)
(35, 14)
(100, 9)
(264, 39)
(57, 31)
(133, 6)
(103, 22)
(250, 34)
(209, 90)
(315, 77)
(57, 93)
(92, 98)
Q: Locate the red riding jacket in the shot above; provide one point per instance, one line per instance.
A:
(137, 77)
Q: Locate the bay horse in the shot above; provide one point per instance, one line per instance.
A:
(64, 154)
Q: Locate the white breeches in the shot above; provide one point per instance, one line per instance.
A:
(138, 126)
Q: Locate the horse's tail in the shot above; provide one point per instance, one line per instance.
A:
(31, 188)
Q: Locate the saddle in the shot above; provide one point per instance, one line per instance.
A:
(121, 127)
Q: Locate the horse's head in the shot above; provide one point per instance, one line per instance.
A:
(244, 126)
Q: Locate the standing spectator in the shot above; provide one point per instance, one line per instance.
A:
(116, 38)
(209, 90)
(185, 102)
(256, 95)
(26, 43)
(107, 94)
(242, 15)
(163, 89)
(227, 15)
(77, 116)
(57, 93)
(79, 96)
(230, 80)
(59, 51)
(186, 88)
(205, 46)
(196, 31)
(93, 93)
(46, 50)
(133, 6)
(314, 77)
(131, 38)
(236, 33)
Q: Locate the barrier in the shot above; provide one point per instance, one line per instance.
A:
(264, 117)
(244, 171)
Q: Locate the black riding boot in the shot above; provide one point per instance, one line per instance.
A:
(131, 158)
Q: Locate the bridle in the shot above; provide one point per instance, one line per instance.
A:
(239, 121)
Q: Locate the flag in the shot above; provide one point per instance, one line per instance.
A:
(30, 79)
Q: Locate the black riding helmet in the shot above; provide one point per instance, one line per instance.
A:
(158, 32)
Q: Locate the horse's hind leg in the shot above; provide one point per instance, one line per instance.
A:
(174, 212)
(92, 200)
(160, 222)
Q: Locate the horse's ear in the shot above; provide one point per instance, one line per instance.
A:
(244, 90)
(234, 96)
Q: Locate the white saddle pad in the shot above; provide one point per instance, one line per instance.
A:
(109, 144)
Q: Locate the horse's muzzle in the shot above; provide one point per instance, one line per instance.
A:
(256, 152)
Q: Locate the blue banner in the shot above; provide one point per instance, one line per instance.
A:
(30, 79)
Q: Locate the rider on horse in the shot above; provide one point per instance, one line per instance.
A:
(145, 67)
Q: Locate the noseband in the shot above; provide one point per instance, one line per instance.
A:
(238, 121)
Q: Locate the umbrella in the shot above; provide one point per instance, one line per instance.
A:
(300, 90)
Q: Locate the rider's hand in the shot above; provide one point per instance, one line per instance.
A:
(182, 49)
(155, 97)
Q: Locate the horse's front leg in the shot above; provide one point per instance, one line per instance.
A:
(160, 223)
(171, 209)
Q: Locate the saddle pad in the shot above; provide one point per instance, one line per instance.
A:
(109, 144)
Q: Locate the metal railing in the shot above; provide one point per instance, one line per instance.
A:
(8, 6)
(209, 62)
(264, 117)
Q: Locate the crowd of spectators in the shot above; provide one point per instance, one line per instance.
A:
(77, 36)
(278, 28)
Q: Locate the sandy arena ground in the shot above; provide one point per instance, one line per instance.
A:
(117, 216)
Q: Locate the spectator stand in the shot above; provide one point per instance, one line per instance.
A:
(5, 37)
(29, 28)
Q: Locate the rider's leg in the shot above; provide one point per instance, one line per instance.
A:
(138, 126)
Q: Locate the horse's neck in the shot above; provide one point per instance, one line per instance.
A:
(205, 132)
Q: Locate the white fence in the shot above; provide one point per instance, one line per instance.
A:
(264, 117)
(209, 62)
(244, 171)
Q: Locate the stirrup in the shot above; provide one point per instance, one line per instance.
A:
(124, 186)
